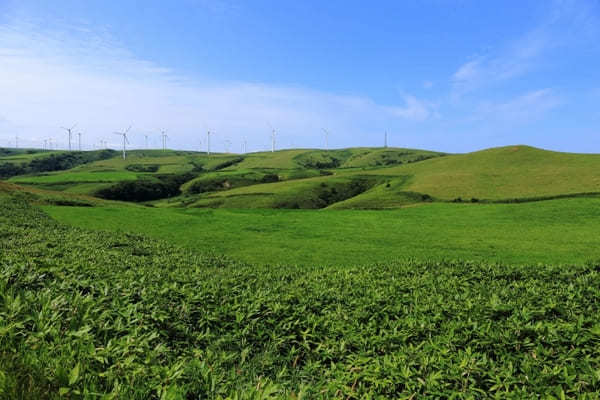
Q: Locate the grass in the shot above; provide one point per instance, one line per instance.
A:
(87, 314)
(514, 173)
(503, 173)
(24, 155)
(402, 176)
(76, 177)
(554, 231)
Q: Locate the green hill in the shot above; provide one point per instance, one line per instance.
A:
(513, 172)
(363, 178)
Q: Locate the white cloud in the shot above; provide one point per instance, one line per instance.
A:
(414, 109)
(522, 109)
(49, 79)
(566, 23)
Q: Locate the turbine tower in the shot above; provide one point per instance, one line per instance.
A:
(385, 140)
(79, 140)
(146, 140)
(125, 140)
(164, 137)
(208, 142)
(273, 135)
(326, 138)
(17, 141)
(45, 143)
(70, 132)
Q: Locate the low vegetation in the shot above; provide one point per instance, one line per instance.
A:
(563, 231)
(52, 162)
(92, 314)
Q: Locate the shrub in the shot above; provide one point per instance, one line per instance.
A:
(142, 167)
(268, 178)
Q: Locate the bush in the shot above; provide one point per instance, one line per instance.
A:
(268, 178)
(146, 189)
(142, 167)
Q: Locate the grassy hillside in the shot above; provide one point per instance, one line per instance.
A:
(557, 231)
(515, 173)
(90, 314)
(358, 178)
(504, 173)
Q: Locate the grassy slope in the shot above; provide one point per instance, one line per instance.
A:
(50, 197)
(499, 174)
(18, 156)
(504, 173)
(90, 313)
(557, 231)
(514, 172)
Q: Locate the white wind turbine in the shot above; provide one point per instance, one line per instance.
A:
(208, 132)
(326, 138)
(125, 140)
(164, 137)
(273, 135)
(79, 140)
(70, 132)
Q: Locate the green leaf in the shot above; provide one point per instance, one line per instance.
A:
(74, 374)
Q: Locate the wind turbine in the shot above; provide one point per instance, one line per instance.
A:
(17, 141)
(146, 141)
(79, 140)
(227, 144)
(164, 137)
(273, 134)
(385, 140)
(125, 140)
(50, 143)
(45, 143)
(326, 138)
(69, 131)
(208, 142)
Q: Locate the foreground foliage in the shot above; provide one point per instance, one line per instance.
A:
(98, 315)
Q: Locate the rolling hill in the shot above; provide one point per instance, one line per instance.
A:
(362, 178)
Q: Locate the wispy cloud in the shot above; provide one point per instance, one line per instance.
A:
(414, 109)
(566, 23)
(48, 79)
(524, 108)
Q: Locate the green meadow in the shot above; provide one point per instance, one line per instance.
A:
(554, 231)
(300, 274)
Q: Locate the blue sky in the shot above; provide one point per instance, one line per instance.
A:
(454, 76)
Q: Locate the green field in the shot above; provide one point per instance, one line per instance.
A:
(76, 177)
(555, 231)
(300, 274)
(87, 314)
